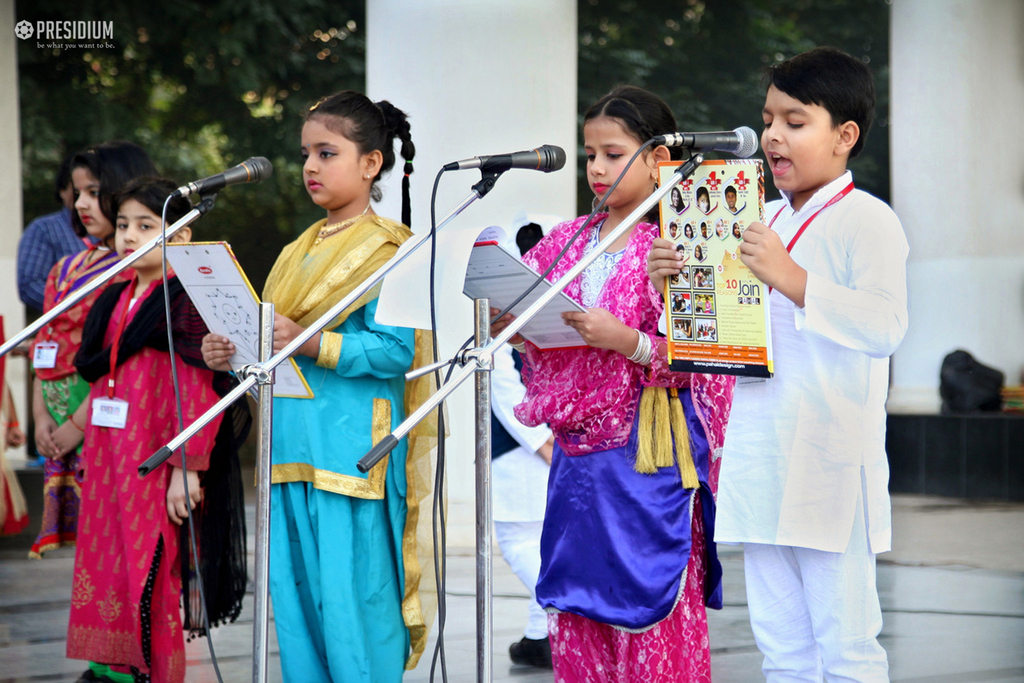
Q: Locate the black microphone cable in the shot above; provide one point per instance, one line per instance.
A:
(181, 428)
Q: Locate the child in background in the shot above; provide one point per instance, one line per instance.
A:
(805, 478)
(346, 562)
(13, 510)
(521, 459)
(97, 173)
(627, 558)
(130, 562)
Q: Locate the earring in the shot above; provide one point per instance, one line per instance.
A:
(596, 202)
(367, 177)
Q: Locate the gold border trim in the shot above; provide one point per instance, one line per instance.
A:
(370, 488)
(330, 351)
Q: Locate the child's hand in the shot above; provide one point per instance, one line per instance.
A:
(663, 261)
(602, 330)
(15, 437)
(763, 252)
(217, 351)
(501, 323)
(178, 507)
(286, 329)
(66, 438)
(45, 427)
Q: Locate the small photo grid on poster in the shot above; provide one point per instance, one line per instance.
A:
(704, 303)
(682, 329)
(680, 280)
(681, 303)
(706, 329)
(702, 277)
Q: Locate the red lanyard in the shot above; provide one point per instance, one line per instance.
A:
(789, 247)
(116, 345)
(842, 193)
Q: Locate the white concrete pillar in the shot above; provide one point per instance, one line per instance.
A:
(10, 199)
(958, 186)
(476, 78)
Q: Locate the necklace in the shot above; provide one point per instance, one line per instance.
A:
(328, 230)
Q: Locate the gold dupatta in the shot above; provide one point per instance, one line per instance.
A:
(305, 282)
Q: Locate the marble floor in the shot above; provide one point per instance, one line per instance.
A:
(952, 593)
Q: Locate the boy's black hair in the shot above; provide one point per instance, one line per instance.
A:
(830, 78)
(113, 164)
(729, 189)
(371, 126)
(151, 192)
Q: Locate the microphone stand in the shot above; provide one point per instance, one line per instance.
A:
(204, 205)
(479, 362)
(262, 374)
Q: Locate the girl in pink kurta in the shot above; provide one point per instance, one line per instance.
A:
(125, 601)
(628, 564)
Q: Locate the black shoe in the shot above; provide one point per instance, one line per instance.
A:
(89, 677)
(531, 652)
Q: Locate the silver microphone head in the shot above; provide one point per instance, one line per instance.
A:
(747, 145)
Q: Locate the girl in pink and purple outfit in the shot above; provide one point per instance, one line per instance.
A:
(627, 564)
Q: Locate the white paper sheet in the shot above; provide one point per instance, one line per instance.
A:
(229, 306)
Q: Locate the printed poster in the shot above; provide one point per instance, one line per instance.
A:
(716, 310)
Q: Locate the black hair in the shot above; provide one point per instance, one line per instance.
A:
(528, 236)
(152, 192)
(371, 126)
(729, 189)
(642, 115)
(62, 179)
(113, 164)
(830, 78)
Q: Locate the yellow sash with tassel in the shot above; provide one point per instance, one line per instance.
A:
(305, 282)
(661, 424)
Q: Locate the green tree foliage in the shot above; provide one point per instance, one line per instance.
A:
(201, 86)
(205, 85)
(706, 58)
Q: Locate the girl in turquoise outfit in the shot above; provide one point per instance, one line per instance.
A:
(344, 567)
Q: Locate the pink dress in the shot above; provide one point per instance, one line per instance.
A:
(125, 598)
(589, 397)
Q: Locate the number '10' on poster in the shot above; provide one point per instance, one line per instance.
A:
(716, 310)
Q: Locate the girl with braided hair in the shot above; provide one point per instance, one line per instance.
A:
(344, 567)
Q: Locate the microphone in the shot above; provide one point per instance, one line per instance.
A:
(742, 142)
(249, 171)
(545, 158)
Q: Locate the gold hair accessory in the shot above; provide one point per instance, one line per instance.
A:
(333, 229)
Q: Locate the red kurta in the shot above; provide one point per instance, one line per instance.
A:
(124, 518)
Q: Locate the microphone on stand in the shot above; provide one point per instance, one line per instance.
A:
(249, 171)
(742, 142)
(545, 158)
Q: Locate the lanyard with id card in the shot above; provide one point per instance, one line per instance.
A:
(45, 356)
(111, 411)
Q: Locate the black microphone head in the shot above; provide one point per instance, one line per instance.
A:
(259, 168)
(747, 144)
(552, 158)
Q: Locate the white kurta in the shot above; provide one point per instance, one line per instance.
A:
(519, 478)
(800, 447)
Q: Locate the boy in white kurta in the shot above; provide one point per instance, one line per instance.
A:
(804, 478)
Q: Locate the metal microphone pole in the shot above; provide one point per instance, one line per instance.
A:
(204, 205)
(479, 362)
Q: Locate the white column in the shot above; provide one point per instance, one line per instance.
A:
(958, 186)
(476, 78)
(10, 199)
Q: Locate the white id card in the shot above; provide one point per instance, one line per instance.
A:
(110, 412)
(45, 356)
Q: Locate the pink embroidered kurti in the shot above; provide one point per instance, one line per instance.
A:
(124, 529)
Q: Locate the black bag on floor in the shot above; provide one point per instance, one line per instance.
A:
(967, 386)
